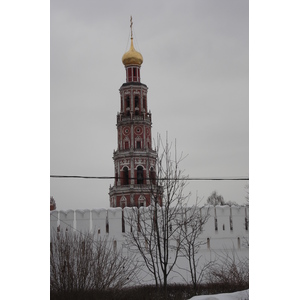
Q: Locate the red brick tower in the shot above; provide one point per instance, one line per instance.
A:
(134, 160)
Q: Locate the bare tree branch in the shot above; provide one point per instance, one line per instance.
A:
(80, 263)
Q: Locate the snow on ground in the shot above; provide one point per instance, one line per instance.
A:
(242, 295)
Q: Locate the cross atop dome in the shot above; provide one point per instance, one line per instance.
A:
(132, 57)
(131, 23)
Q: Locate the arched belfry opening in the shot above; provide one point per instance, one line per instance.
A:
(140, 175)
(125, 176)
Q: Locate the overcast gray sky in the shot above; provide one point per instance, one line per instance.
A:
(196, 66)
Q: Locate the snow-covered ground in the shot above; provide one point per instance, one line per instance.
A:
(242, 295)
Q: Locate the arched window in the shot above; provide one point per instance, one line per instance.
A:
(141, 201)
(123, 202)
(125, 176)
(140, 175)
(126, 145)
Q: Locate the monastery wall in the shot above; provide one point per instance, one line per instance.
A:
(225, 233)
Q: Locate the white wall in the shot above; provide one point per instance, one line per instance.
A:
(230, 235)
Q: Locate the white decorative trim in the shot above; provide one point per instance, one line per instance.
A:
(142, 199)
(124, 163)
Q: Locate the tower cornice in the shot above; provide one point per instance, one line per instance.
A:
(138, 120)
(130, 153)
(128, 84)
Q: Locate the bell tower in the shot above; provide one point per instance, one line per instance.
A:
(134, 159)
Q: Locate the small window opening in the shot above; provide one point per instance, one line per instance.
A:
(239, 243)
(208, 243)
(98, 231)
(138, 145)
(107, 225)
(246, 223)
(123, 222)
(216, 224)
(223, 226)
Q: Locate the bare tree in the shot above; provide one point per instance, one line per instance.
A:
(215, 199)
(155, 232)
(230, 270)
(78, 263)
(52, 203)
(193, 226)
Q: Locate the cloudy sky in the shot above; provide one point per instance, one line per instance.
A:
(196, 66)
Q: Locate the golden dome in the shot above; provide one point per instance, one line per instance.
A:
(132, 57)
